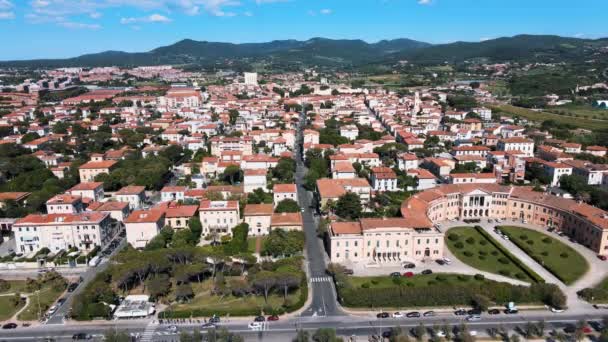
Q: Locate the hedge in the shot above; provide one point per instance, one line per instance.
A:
(442, 294)
(528, 271)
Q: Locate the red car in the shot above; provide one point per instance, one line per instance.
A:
(273, 318)
(602, 257)
(408, 274)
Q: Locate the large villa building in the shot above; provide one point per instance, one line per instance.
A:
(416, 237)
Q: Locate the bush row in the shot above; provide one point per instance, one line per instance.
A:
(533, 275)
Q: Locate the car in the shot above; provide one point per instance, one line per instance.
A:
(172, 329)
(272, 318)
(440, 333)
(493, 312)
(426, 272)
(505, 237)
(348, 271)
(383, 315)
(208, 325)
(524, 221)
(413, 314)
(409, 265)
(440, 262)
(259, 319)
(302, 210)
(387, 334)
(473, 318)
(597, 326)
(395, 274)
(447, 260)
(511, 311)
(602, 257)
(408, 274)
(9, 326)
(569, 329)
(52, 309)
(429, 314)
(60, 301)
(398, 315)
(255, 325)
(473, 333)
(557, 310)
(460, 312)
(11, 251)
(474, 312)
(214, 319)
(43, 270)
(81, 336)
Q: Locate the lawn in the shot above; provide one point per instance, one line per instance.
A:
(584, 111)
(542, 116)
(251, 244)
(7, 310)
(558, 258)
(47, 296)
(247, 305)
(14, 286)
(419, 280)
(476, 250)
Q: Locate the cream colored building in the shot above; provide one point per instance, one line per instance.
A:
(219, 217)
(92, 169)
(258, 217)
(143, 225)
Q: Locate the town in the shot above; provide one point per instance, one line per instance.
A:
(163, 203)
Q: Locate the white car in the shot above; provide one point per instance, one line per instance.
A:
(474, 318)
(557, 310)
(172, 329)
(255, 325)
(440, 333)
(398, 315)
(473, 332)
(447, 261)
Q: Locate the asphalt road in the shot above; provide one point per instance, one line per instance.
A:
(324, 301)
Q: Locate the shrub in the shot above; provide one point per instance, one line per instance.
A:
(520, 276)
(523, 237)
(505, 273)
(440, 278)
(479, 277)
(545, 253)
(431, 283)
(483, 253)
(483, 242)
(463, 277)
(564, 255)
(374, 282)
(547, 240)
(453, 237)
(503, 261)
(481, 257)
(470, 241)
(459, 245)
(495, 253)
(468, 253)
(530, 242)
(365, 286)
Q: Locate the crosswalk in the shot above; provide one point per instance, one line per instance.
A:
(148, 334)
(320, 280)
(259, 326)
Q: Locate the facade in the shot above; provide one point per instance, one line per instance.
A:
(133, 194)
(143, 225)
(283, 192)
(219, 217)
(178, 217)
(58, 232)
(383, 240)
(254, 179)
(90, 190)
(258, 217)
(92, 169)
(173, 193)
(517, 144)
(384, 179)
(64, 204)
(286, 221)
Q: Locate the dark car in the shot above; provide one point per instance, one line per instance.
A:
(9, 326)
(426, 272)
(214, 319)
(81, 336)
(387, 334)
(460, 312)
(493, 311)
(383, 315)
(272, 318)
(395, 274)
(440, 262)
(72, 287)
(429, 314)
(260, 319)
(413, 314)
(511, 311)
(348, 271)
(409, 265)
(474, 312)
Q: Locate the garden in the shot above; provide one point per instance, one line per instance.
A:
(558, 258)
(476, 248)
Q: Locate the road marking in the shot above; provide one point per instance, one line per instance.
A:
(148, 334)
(320, 280)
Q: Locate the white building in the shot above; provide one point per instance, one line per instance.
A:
(526, 146)
(251, 78)
(219, 217)
(132, 194)
(283, 192)
(172, 193)
(58, 232)
(254, 179)
(351, 132)
(258, 217)
(143, 225)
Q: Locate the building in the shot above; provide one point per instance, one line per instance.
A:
(143, 225)
(286, 221)
(586, 224)
(332, 189)
(88, 171)
(350, 132)
(258, 217)
(254, 179)
(57, 232)
(178, 216)
(384, 179)
(173, 193)
(119, 211)
(407, 161)
(384, 241)
(556, 170)
(521, 144)
(133, 194)
(283, 192)
(181, 97)
(471, 178)
(17, 197)
(91, 190)
(251, 78)
(64, 204)
(219, 217)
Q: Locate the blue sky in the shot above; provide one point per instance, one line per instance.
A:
(66, 28)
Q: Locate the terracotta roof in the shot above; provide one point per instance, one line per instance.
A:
(145, 216)
(286, 219)
(218, 205)
(64, 198)
(86, 186)
(258, 210)
(54, 219)
(112, 206)
(181, 211)
(131, 190)
(284, 188)
(104, 164)
(14, 196)
(346, 228)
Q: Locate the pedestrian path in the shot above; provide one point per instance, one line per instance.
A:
(321, 280)
(148, 334)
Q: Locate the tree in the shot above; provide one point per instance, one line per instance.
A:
(287, 206)
(287, 279)
(481, 302)
(264, 281)
(233, 173)
(158, 286)
(285, 170)
(184, 292)
(349, 206)
(419, 332)
(325, 335)
(301, 336)
(116, 336)
(233, 114)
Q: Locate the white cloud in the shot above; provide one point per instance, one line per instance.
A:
(483, 39)
(260, 2)
(79, 26)
(248, 14)
(153, 18)
(7, 15)
(325, 11)
(6, 4)
(424, 2)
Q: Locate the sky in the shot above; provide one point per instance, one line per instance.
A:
(32, 29)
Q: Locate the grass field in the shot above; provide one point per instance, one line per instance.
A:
(203, 299)
(580, 111)
(558, 258)
(419, 280)
(15, 286)
(7, 310)
(475, 250)
(531, 115)
(47, 297)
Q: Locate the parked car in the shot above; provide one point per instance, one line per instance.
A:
(259, 319)
(172, 329)
(474, 312)
(81, 336)
(383, 315)
(413, 314)
(460, 312)
(557, 310)
(72, 287)
(348, 271)
(429, 314)
(214, 319)
(474, 318)
(511, 311)
(398, 314)
(426, 272)
(409, 265)
(272, 318)
(9, 326)
(255, 325)
(395, 274)
(408, 274)
(447, 260)
(602, 257)
(440, 262)
(493, 312)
